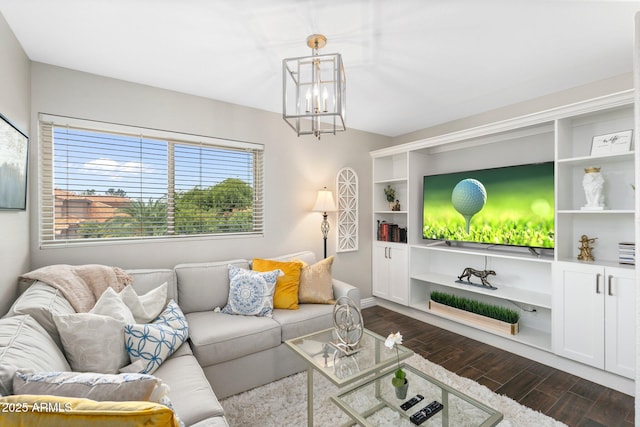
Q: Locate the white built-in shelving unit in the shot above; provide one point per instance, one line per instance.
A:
(530, 282)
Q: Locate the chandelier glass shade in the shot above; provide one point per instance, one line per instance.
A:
(314, 91)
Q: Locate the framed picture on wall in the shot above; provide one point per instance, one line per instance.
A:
(14, 148)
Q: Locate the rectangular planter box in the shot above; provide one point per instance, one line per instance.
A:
(472, 319)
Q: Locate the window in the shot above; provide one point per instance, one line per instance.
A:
(110, 182)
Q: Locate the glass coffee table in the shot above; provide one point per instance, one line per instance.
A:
(374, 403)
(369, 359)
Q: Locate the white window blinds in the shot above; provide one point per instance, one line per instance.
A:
(109, 182)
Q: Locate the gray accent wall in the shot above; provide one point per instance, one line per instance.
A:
(14, 104)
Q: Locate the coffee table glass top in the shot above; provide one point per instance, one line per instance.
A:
(374, 403)
(370, 356)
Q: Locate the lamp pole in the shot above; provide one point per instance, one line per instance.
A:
(324, 227)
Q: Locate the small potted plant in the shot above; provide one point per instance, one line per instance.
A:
(399, 380)
(390, 194)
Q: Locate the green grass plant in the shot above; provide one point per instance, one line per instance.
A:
(503, 314)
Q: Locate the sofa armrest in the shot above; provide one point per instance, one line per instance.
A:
(343, 289)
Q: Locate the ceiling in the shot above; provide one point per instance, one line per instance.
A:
(410, 64)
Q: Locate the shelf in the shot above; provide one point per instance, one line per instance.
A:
(386, 242)
(523, 296)
(391, 181)
(530, 336)
(521, 254)
(602, 212)
(605, 263)
(590, 160)
(390, 212)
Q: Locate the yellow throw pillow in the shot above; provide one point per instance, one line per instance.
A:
(286, 293)
(55, 411)
(316, 284)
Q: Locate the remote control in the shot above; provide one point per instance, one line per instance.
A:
(425, 413)
(413, 401)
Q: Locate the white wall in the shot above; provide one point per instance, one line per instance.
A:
(14, 104)
(295, 168)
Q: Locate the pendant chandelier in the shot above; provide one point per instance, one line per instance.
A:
(313, 100)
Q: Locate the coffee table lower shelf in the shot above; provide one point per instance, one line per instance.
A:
(374, 403)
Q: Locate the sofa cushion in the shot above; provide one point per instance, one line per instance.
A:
(41, 302)
(286, 293)
(25, 344)
(144, 280)
(218, 337)
(204, 286)
(190, 394)
(307, 319)
(80, 412)
(307, 257)
(251, 292)
(154, 343)
(89, 385)
(316, 284)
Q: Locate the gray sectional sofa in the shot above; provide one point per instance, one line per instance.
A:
(225, 354)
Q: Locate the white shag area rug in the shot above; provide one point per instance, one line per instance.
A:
(284, 402)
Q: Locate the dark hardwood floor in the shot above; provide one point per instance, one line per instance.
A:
(565, 397)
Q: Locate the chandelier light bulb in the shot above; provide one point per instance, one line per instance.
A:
(325, 96)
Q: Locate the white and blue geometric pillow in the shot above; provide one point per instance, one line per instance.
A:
(153, 343)
(251, 292)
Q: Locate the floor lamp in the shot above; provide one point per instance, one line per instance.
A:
(324, 204)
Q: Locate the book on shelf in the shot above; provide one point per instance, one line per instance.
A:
(390, 232)
(627, 253)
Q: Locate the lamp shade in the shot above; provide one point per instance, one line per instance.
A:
(324, 202)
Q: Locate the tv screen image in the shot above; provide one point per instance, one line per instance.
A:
(511, 205)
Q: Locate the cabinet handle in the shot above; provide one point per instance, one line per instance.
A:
(389, 253)
(609, 280)
(598, 283)
(385, 252)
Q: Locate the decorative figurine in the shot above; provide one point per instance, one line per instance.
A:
(396, 207)
(348, 325)
(585, 249)
(593, 182)
(482, 274)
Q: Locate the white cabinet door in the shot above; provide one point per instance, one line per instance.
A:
(594, 316)
(390, 272)
(578, 312)
(380, 283)
(398, 278)
(620, 343)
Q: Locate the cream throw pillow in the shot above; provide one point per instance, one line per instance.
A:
(94, 341)
(316, 285)
(145, 307)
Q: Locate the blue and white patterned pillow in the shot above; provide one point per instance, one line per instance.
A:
(251, 292)
(154, 342)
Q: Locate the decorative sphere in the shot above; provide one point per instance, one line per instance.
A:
(469, 196)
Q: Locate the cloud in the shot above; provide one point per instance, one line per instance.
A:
(115, 170)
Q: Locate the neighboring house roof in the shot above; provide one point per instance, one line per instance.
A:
(73, 209)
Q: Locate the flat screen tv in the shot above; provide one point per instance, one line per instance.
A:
(511, 205)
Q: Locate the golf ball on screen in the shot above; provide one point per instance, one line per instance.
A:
(469, 196)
